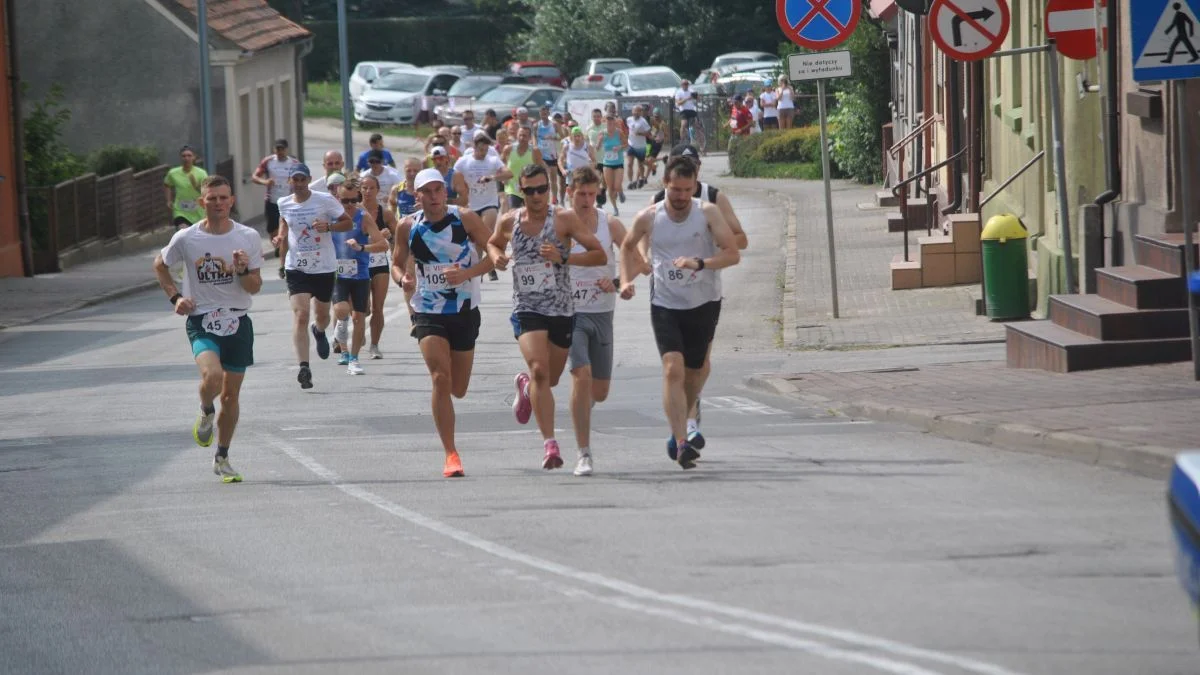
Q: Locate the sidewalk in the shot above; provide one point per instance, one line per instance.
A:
(958, 385)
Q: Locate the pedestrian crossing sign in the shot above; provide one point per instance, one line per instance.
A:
(1166, 39)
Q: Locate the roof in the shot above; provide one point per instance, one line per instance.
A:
(247, 25)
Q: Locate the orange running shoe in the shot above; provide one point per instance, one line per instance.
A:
(453, 467)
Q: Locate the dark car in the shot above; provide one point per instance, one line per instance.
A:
(508, 97)
(538, 72)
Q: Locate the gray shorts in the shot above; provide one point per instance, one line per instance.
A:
(592, 343)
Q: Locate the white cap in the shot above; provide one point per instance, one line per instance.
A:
(427, 176)
(438, 151)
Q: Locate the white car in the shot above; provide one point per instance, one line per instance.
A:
(646, 81)
(366, 72)
(396, 98)
(734, 58)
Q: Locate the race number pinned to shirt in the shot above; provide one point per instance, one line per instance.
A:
(534, 277)
(220, 322)
(432, 276)
(187, 205)
(669, 274)
(586, 292)
(381, 259)
(347, 267)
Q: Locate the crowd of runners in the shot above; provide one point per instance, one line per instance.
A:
(525, 198)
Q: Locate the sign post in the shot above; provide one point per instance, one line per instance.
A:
(821, 24)
(344, 67)
(1166, 46)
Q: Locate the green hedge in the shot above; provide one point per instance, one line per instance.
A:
(750, 156)
(113, 158)
(468, 40)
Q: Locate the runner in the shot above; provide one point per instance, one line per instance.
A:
(352, 289)
(467, 143)
(182, 187)
(386, 176)
(608, 149)
(333, 163)
(575, 153)
(639, 136)
(439, 239)
(477, 174)
(549, 134)
(658, 137)
(712, 195)
(689, 242)
(685, 105)
(543, 308)
(376, 145)
(594, 130)
(441, 161)
(381, 261)
(224, 261)
(274, 172)
(403, 198)
(594, 293)
(308, 218)
(517, 157)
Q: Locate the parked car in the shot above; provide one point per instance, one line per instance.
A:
(739, 84)
(733, 58)
(507, 97)
(450, 68)
(538, 72)
(563, 104)
(366, 72)
(463, 94)
(396, 97)
(645, 81)
(596, 71)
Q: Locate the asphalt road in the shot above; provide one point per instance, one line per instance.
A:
(803, 543)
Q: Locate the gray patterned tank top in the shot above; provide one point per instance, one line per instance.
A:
(539, 286)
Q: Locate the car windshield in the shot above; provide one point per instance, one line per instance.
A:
(606, 67)
(470, 86)
(539, 71)
(732, 60)
(663, 80)
(509, 95)
(398, 81)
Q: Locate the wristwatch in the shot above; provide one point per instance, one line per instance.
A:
(700, 262)
(175, 298)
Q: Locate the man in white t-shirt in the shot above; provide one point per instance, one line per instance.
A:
(308, 217)
(333, 163)
(477, 176)
(272, 173)
(223, 261)
(770, 110)
(386, 176)
(639, 135)
(685, 103)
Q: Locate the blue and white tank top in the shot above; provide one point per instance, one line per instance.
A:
(437, 247)
(450, 185)
(351, 263)
(405, 203)
(547, 139)
(539, 285)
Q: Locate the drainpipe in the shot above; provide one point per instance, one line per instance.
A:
(1112, 132)
(918, 116)
(300, 93)
(956, 139)
(18, 129)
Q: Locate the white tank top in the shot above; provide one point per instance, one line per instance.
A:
(589, 299)
(674, 287)
(785, 98)
(577, 157)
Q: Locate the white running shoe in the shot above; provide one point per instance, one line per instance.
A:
(341, 332)
(354, 368)
(583, 467)
(375, 353)
(202, 430)
(222, 468)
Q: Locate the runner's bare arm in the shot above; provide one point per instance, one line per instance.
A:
(732, 220)
(461, 188)
(377, 243)
(478, 233)
(571, 228)
(629, 247)
(727, 253)
(183, 306)
(400, 251)
(260, 174)
(250, 279)
(170, 196)
(499, 241)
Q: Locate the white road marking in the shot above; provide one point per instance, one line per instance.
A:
(741, 405)
(638, 598)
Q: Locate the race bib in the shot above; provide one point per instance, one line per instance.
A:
(586, 292)
(347, 268)
(432, 276)
(677, 276)
(478, 188)
(381, 259)
(534, 277)
(187, 205)
(303, 261)
(220, 322)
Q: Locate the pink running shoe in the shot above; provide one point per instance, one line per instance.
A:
(522, 407)
(552, 460)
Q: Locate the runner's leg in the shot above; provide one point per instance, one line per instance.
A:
(300, 318)
(227, 419)
(379, 292)
(436, 351)
(535, 347)
(675, 400)
(581, 405)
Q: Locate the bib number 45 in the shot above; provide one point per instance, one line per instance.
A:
(220, 322)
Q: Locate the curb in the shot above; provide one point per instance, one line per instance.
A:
(1150, 461)
(94, 300)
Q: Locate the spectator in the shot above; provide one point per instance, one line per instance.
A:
(740, 120)
(786, 96)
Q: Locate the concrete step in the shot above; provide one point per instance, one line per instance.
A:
(965, 229)
(896, 223)
(885, 199)
(1141, 287)
(1163, 252)
(1103, 319)
(1044, 345)
(906, 275)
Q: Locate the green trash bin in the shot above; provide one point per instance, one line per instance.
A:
(1005, 268)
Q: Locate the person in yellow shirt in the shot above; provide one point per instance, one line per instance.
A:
(182, 187)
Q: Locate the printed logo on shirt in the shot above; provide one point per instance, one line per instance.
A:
(214, 271)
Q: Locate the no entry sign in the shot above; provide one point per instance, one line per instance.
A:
(969, 30)
(818, 24)
(1072, 24)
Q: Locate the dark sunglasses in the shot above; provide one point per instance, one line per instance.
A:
(536, 190)
(374, 161)
(457, 133)
(356, 200)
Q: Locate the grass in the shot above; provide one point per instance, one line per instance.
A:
(325, 102)
(793, 170)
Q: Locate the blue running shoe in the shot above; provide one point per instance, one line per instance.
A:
(344, 359)
(672, 451)
(322, 342)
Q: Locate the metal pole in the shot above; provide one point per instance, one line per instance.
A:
(828, 195)
(1060, 166)
(21, 177)
(344, 58)
(1185, 181)
(206, 122)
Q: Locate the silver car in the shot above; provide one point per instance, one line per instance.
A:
(400, 96)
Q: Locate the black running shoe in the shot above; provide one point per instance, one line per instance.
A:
(493, 276)
(688, 456)
(322, 342)
(305, 377)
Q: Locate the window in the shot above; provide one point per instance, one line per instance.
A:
(264, 132)
(541, 71)
(442, 83)
(244, 150)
